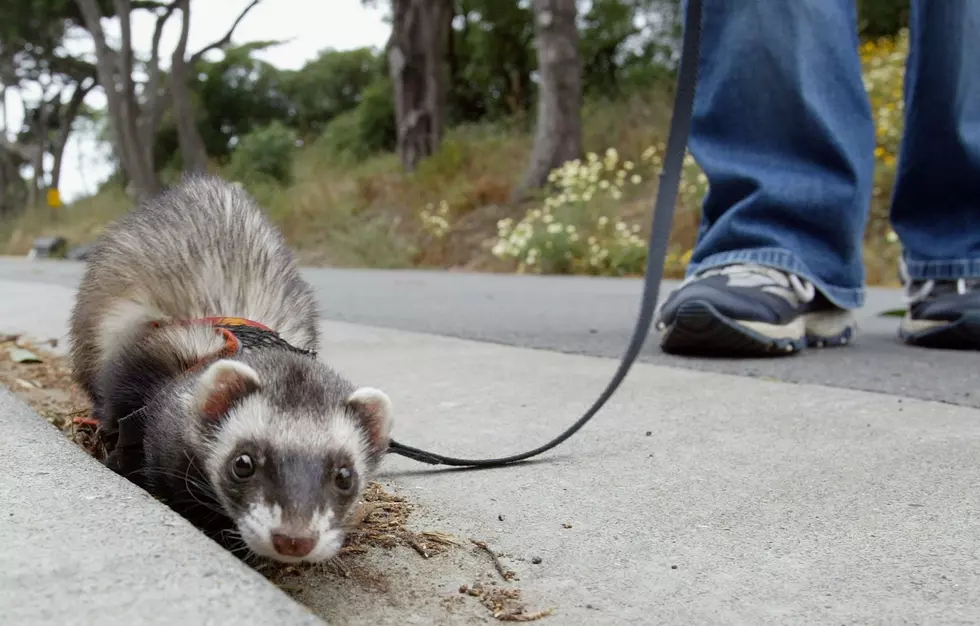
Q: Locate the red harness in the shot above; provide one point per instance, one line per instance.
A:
(232, 344)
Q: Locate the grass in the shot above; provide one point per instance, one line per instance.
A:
(371, 214)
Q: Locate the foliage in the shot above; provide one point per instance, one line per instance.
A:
(882, 18)
(883, 63)
(267, 151)
(231, 97)
(362, 209)
(625, 44)
(579, 229)
(329, 86)
(366, 130)
(576, 230)
(491, 57)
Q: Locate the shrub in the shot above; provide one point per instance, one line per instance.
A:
(367, 129)
(883, 64)
(341, 138)
(266, 152)
(578, 229)
(376, 117)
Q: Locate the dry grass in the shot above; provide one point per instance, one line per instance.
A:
(46, 387)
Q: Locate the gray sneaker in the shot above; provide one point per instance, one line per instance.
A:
(749, 310)
(942, 314)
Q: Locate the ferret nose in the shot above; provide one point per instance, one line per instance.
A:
(287, 545)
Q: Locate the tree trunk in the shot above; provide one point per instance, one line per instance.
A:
(558, 136)
(37, 164)
(153, 109)
(192, 150)
(115, 71)
(13, 188)
(65, 128)
(417, 62)
(5, 204)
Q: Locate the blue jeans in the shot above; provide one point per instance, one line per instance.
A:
(783, 130)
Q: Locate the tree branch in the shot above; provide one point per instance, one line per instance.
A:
(27, 153)
(224, 41)
(65, 127)
(153, 110)
(185, 26)
(150, 5)
(124, 11)
(92, 16)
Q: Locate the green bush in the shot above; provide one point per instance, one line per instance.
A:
(266, 152)
(341, 138)
(377, 117)
(367, 129)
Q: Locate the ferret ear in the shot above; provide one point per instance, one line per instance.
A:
(223, 384)
(373, 407)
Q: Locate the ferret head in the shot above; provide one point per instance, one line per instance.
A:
(290, 447)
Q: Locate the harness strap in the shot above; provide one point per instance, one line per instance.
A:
(663, 214)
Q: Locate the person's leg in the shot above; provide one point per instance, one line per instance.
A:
(783, 130)
(936, 202)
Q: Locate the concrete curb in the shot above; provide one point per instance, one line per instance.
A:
(81, 545)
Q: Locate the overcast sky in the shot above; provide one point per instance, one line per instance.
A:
(309, 25)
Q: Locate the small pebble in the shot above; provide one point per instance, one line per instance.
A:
(463, 588)
(536, 560)
(500, 517)
(649, 432)
(673, 567)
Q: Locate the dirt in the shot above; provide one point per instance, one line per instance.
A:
(388, 563)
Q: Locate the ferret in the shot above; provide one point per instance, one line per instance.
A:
(195, 338)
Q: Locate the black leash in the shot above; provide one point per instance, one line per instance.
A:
(663, 215)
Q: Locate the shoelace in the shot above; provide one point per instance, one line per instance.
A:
(803, 289)
(915, 295)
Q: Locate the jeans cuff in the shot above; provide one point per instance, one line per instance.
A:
(843, 297)
(948, 269)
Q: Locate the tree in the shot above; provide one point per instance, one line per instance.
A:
(558, 134)
(32, 55)
(134, 115)
(417, 64)
(233, 96)
(129, 123)
(193, 152)
(331, 84)
(491, 58)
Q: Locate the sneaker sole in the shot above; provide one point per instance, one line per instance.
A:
(699, 329)
(963, 334)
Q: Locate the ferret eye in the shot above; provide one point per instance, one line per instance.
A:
(343, 479)
(243, 467)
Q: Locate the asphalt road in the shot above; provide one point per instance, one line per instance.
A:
(595, 316)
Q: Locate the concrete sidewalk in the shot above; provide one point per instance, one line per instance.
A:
(78, 545)
(693, 498)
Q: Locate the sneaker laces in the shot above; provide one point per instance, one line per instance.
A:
(916, 294)
(802, 288)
